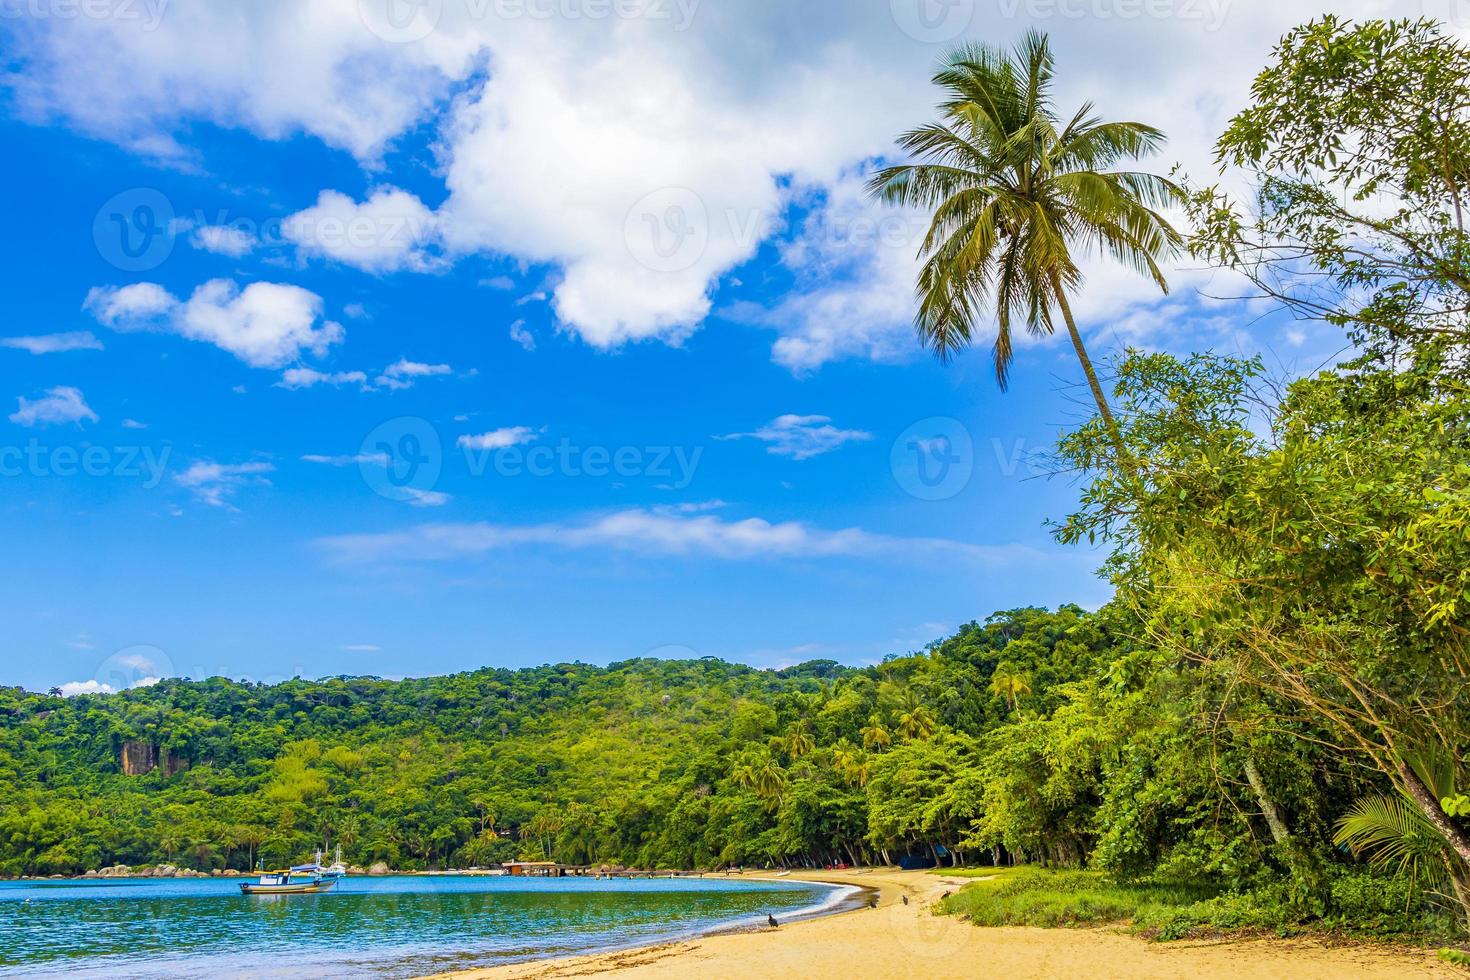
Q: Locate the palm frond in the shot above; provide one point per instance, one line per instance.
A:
(1392, 834)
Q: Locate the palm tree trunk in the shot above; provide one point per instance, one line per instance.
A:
(1109, 422)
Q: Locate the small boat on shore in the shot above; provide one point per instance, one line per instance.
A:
(305, 879)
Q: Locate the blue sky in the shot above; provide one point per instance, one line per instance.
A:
(369, 360)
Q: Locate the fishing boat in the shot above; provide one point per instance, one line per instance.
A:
(303, 879)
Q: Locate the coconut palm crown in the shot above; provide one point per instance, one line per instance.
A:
(1017, 198)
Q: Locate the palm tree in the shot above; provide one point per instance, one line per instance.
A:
(915, 721)
(799, 742)
(1010, 684)
(1015, 196)
(875, 736)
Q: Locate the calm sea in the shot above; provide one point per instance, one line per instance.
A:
(366, 927)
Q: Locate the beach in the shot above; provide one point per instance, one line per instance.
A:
(903, 941)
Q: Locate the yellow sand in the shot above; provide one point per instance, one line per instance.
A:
(907, 941)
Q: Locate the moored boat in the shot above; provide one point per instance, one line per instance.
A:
(304, 879)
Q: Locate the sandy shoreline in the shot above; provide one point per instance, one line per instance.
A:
(903, 941)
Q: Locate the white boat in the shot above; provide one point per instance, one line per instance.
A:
(305, 879)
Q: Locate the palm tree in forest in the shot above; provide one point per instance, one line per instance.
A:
(1016, 198)
(875, 735)
(915, 721)
(1009, 683)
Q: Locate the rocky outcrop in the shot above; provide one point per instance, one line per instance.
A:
(116, 871)
(140, 758)
(380, 868)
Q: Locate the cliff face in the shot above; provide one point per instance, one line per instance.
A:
(139, 758)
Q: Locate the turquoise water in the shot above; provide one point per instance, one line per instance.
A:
(367, 927)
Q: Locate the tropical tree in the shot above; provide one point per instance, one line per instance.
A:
(875, 735)
(1009, 683)
(1017, 198)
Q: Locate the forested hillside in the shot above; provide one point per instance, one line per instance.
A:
(678, 763)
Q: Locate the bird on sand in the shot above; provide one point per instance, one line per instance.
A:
(905, 900)
(771, 920)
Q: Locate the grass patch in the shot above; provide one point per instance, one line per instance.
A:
(979, 872)
(1361, 906)
(1036, 897)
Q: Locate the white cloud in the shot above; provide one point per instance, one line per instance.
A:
(304, 377)
(426, 498)
(330, 76)
(390, 231)
(72, 688)
(266, 324)
(802, 436)
(854, 262)
(659, 532)
(570, 141)
(498, 438)
(215, 483)
(359, 648)
(403, 373)
(501, 283)
(54, 343)
(380, 459)
(129, 307)
(223, 240)
(133, 424)
(61, 405)
(522, 336)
